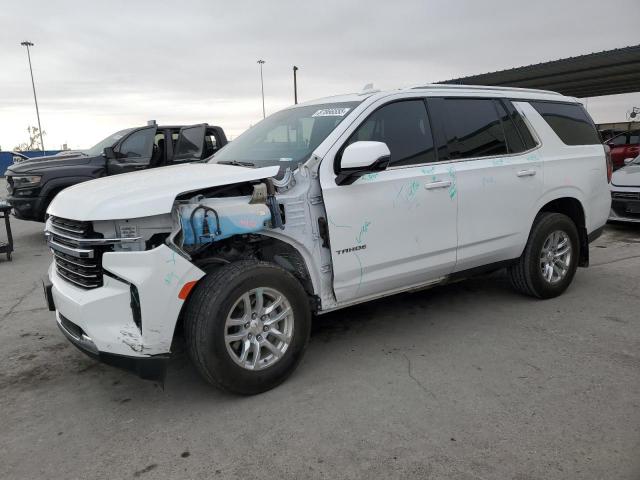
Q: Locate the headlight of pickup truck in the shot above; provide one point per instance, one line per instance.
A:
(26, 181)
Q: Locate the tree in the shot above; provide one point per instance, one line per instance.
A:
(34, 140)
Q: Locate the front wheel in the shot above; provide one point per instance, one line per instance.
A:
(550, 259)
(247, 325)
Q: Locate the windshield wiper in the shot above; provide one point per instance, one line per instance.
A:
(236, 163)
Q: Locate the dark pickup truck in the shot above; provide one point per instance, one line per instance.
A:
(32, 184)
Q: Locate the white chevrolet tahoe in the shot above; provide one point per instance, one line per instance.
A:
(321, 206)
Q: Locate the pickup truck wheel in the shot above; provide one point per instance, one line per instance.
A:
(550, 259)
(247, 325)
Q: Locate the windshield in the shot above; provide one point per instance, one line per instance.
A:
(286, 138)
(107, 142)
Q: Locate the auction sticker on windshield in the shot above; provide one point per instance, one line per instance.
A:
(331, 112)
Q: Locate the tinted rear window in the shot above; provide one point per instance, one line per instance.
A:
(570, 122)
(473, 128)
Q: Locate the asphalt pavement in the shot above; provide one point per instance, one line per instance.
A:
(465, 381)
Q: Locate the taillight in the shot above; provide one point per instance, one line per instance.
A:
(607, 156)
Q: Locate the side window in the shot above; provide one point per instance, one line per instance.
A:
(521, 125)
(515, 143)
(634, 138)
(189, 144)
(570, 122)
(404, 126)
(619, 140)
(138, 145)
(210, 144)
(473, 128)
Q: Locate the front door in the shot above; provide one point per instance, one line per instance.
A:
(190, 144)
(134, 152)
(396, 228)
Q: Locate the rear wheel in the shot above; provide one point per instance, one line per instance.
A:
(550, 259)
(247, 325)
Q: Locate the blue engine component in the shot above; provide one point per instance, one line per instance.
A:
(202, 224)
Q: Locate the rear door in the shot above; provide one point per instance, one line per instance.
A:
(499, 177)
(134, 152)
(190, 144)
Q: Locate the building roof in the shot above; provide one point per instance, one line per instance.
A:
(602, 73)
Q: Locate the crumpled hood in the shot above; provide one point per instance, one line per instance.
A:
(146, 193)
(628, 176)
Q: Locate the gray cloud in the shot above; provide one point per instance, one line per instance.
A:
(100, 66)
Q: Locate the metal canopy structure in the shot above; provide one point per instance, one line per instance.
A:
(595, 74)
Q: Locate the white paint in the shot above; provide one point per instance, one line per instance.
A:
(147, 192)
(395, 230)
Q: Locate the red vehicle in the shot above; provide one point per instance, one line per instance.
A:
(623, 146)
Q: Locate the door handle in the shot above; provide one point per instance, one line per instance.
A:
(440, 184)
(526, 173)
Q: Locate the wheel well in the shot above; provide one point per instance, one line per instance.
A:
(572, 208)
(48, 199)
(261, 248)
(258, 247)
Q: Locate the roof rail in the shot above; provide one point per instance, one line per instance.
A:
(451, 86)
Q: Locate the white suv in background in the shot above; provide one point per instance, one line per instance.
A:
(320, 206)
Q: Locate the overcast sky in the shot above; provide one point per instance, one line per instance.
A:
(103, 66)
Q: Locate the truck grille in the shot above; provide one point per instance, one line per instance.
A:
(77, 259)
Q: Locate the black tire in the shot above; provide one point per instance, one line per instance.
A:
(526, 275)
(206, 313)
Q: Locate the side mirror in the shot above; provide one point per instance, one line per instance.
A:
(361, 158)
(109, 153)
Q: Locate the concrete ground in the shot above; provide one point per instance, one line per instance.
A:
(467, 381)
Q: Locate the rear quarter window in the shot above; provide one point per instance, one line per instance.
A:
(569, 121)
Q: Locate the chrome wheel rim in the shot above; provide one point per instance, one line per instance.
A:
(259, 328)
(555, 257)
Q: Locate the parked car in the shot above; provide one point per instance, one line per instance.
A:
(34, 183)
(322, 206)
(625, 192)
(624, 146)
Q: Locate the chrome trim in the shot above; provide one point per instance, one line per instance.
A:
(74, 252)
(56, 254)
(459, 160)
(91, 241)
(83, 275)
(66, 229)
(75, 282)
(85, 341)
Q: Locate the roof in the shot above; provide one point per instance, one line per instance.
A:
(440, 89)
(608, 72)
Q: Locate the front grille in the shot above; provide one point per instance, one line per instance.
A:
(626, 195)
(626, 208)
(77, 260)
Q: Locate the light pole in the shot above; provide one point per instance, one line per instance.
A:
(295, 85)
(29, 44)
(262, 62)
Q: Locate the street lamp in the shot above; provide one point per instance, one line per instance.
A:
(295, 85)
(29, 44)
(262, 62)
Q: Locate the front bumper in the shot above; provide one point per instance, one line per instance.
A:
(625, 205)
(108, 325)
(27, 208)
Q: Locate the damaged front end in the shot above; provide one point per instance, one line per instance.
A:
(224, 213)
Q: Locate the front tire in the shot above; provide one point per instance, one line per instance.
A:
(550, 259)
(247, 325)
